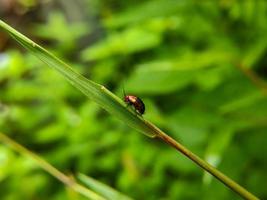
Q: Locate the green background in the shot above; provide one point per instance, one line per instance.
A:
(198, 66)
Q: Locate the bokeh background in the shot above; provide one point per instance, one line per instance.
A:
(198, 66)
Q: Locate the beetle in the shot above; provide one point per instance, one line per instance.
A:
(136, 102)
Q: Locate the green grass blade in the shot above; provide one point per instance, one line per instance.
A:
(102, 189)
(94, 91)
(69, 182)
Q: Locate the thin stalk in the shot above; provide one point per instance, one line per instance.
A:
(204, 165)
(69, 182)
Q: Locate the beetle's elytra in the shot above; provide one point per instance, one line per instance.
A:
(136, 102)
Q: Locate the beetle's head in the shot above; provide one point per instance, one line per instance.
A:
(127, 98)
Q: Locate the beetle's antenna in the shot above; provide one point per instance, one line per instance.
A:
(124, 94)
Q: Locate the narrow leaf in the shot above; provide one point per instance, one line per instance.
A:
(102, 189)
(94, 91)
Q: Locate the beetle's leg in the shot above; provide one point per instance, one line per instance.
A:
(131, 107)
(127, 105)
(137, 113)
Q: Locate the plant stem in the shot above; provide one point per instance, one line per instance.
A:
(207, 167)
(70, 182)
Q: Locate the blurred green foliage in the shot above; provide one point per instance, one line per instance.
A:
(180, 57)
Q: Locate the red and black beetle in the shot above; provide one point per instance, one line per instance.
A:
(136, 102)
